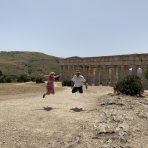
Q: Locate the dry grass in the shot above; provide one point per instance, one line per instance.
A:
(24, 88)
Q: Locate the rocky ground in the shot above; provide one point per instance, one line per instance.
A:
(123, 122)
(95, 119)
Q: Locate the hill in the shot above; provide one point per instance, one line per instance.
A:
(32, 63)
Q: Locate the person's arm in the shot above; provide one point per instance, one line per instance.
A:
(73, 78)
(57, 76)
(86, 85)
(72, 84)
(46, 75)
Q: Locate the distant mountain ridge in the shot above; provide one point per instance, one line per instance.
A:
(32, 63)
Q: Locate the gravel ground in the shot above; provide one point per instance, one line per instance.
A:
(94, 119)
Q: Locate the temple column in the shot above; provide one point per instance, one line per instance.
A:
(126, 70)
(90, 78)
(98, 78)
(75, 68)
(103, 75)
(71, 71)
(120, 72)
(107, 76)
(134, 70)
(113, 75)
(84, 72)
(117, 73)
(81, 68)
(94, 76)
(143, 79)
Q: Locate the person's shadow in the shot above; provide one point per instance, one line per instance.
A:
(76, 109)
(47, 108)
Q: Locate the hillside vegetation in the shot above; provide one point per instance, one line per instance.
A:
(31, 63)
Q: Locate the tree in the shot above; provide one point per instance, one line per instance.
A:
(1, 74)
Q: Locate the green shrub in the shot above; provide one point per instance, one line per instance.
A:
(33, 78)
(23, 78)
(39, 80)
(66, 83)
(146, 73)
(5, 79)
(130, 85)
(8, 80)
(13, 78)
(1, 73)
(69, 83)
(2, 79)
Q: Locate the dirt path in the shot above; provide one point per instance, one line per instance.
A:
(64, 120)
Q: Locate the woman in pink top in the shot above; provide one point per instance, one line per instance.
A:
(50, 84)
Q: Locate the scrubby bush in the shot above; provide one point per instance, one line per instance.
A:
(130, 85)
(8, 80)
(33, 78)
(23, 78)
(13, 78)
(1, 73)
(66, 83)
(39, 80)
(69, 83)
(2, 79)
(146, 73)
(5, 79)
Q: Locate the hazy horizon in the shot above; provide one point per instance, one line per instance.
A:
(75, 55)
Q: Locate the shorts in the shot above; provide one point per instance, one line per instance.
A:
(79, 89)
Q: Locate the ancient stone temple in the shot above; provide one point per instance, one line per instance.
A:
(105, 70)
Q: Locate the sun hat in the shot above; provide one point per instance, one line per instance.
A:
(77, 72)
(52, 73)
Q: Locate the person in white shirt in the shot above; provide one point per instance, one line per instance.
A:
(78, 80)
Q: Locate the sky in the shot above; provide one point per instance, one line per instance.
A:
(66, 28)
